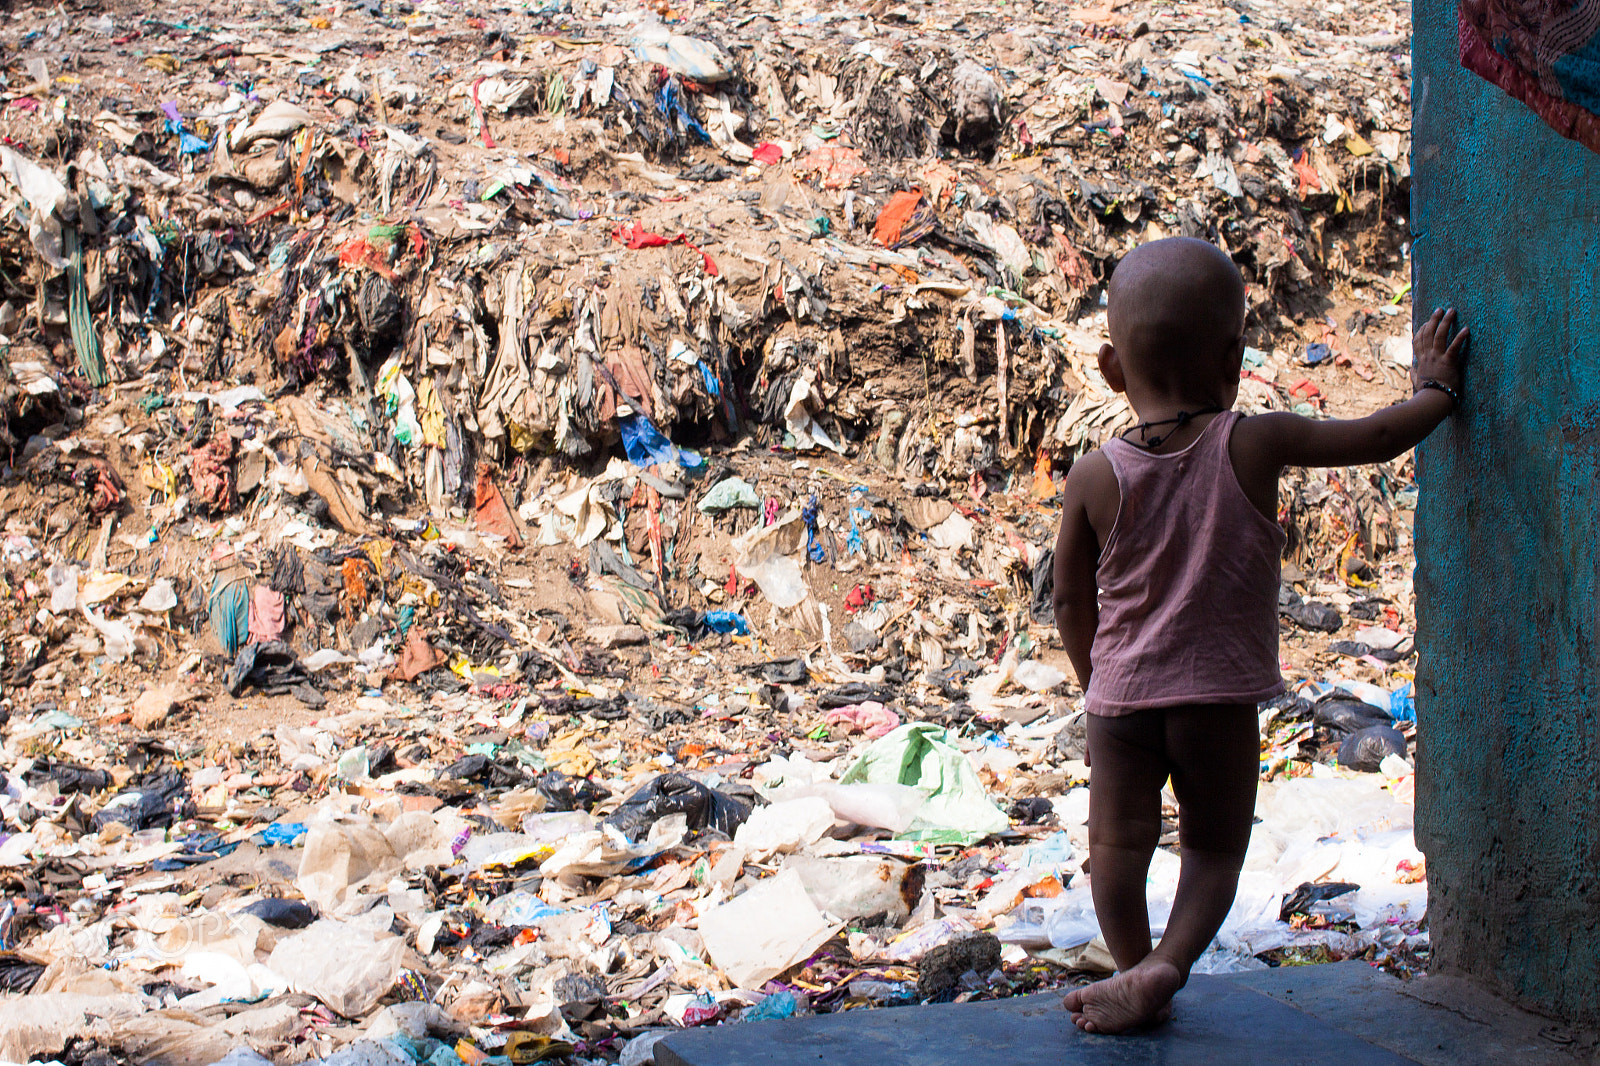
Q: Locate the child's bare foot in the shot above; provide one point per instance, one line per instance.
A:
(1139, 997)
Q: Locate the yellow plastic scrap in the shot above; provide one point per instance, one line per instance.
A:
(430, 412)
(378, 550)
(513, 857)
(101, 585)
(1344, 564)
(523, 1047)
(470, 1053)
(471, 673)
(165, 62)
(568, 754)
(422, 589)
(522, 438)
(160, 478)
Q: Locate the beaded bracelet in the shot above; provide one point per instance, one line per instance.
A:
(1455, 397)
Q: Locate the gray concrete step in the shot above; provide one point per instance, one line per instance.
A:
(1216, 1021)
(1434, 1021)
(1346, 1013)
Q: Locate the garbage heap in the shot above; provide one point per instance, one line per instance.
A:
(527, 528)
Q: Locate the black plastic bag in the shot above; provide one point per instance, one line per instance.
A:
(1301, 899)
(153, 803)
(283, 913)
(484, 770)
(1042, 606)
(1341, 716)
(1357, 650)
(566, 793)
(68, 776)
(17, 974)
(272, 667)
(680, 794)
(779, 671)
(1033, 810)
(1364, 751)
(853, 693)
(1313, 615)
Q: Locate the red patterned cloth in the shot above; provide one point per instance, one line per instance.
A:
(1546, 53)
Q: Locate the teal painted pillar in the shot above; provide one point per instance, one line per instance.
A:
(1506, 223)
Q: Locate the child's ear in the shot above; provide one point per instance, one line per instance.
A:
(1111, 368)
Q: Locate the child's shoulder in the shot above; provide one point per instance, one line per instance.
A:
(1091, 489)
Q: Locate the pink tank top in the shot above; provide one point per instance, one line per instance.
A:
(1188, 583)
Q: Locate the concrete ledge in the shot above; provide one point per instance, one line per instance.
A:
(1216, 1021)
(1434, 1021)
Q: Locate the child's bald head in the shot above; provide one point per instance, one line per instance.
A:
(1176, 310)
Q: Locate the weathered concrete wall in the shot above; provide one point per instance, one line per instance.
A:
(1507, 221)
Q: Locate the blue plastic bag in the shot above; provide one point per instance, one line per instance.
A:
(281, 834)
(727, 622)
(646, 445)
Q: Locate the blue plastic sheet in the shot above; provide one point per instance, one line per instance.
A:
(808, 515)
(727, 622)
(669, 101)
(777, 1005)
(860, 515)
(646, 445)
(281, 834)
(229, 608)
(198, 848)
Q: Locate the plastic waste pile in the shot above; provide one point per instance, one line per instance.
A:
(526, 528)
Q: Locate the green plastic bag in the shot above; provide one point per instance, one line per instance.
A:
(921, 755)
(728, 494)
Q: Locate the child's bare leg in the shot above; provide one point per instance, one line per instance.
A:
(1128, 761)
(1213, 753)
(1216, 759)
(1128, 767)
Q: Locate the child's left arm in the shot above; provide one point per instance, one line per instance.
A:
(1076, 599)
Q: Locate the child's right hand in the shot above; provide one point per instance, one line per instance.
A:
(1434, 355)
(1264, 444)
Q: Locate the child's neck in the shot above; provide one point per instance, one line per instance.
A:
(1169, 424)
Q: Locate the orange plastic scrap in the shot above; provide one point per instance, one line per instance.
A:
(490, 513)
(354, 572)
(359, 252)
(1345, 553)
(305, 161)
(1044, 486)
(941, 180)
(1309, 179)
(837, 164)
(477, 108)
(893, 218)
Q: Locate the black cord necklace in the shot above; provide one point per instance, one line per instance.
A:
(1183, 419)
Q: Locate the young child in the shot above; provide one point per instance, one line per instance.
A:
(1166, 579)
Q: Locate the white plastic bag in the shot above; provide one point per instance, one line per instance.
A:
(1037, 676)
(116, 636)
(785, 827)
(63, 588)
(345, 966)
(688, 56)
(765, 931)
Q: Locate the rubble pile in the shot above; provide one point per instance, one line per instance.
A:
(525, 528)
